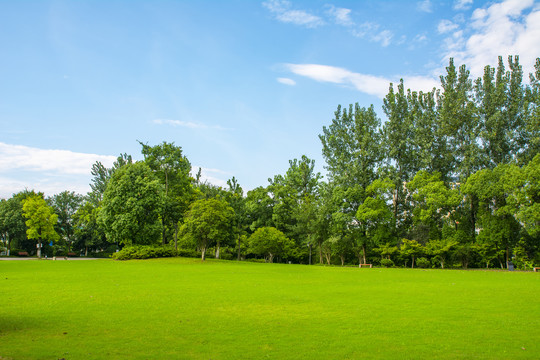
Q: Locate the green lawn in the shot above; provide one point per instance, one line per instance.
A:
(185, 309)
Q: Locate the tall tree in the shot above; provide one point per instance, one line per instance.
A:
(172, 168)
(131, 206)
(353, 152)
(65, 204)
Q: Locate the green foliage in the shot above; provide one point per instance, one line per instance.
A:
(131, 206)
(387, 263)
(423, 262)
(40, 220)
(144, 252)
(270, 243)
(209, 222)
(173, 171)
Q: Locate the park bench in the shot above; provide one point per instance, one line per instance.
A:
(536, 269)
(360, 265)
(23, 253)
(72, 254)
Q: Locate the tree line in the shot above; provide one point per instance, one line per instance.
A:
(450, 179)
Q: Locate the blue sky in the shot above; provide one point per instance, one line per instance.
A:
(241, 86)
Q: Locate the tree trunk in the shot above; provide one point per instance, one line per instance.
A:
(86, 251)
(39, 249)
(412, 265)
(176, 236)
(203, 253)
(342, 257)
(271, 258)
(217, 251)
(364, 253)
(239, 244)
(320, 254)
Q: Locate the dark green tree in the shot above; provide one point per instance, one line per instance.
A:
(131, 206)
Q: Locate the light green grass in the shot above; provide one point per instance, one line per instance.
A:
(185, 309)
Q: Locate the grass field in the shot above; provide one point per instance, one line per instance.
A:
(185, 309)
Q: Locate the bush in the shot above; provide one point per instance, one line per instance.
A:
(144, 252)
(387, 263)
(190, 253)
(423, 263)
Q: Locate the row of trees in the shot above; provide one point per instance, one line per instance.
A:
(452, 178)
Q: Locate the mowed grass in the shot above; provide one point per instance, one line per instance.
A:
(186, 309)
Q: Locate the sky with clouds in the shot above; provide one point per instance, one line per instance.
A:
(241, 86)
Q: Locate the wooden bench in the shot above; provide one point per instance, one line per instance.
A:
(536, 269)
(360, 265)
(23, 253)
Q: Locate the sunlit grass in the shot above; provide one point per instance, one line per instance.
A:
(182, 308)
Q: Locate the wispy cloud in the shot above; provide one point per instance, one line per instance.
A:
(282, 10)
(369, 84)
(462, 4)
(341, 16)
(287, 81)
(187, 124)
(446, 26)
(425, 6)
(504, 28)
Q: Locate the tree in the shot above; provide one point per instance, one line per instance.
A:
(496, 215)
(410, 248)
(270, 242)
(40, 221)
(259, 208)
(294, 196)
(131, 206)
(88, 231)
(501, 100)
(65, 205)
(352, 150)
(172, 168)
(433, 204)
(209, 222)
(235, 198)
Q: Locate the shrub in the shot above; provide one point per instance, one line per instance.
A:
(387, 263)
(190, 253)
(422, 262)
(144, 252)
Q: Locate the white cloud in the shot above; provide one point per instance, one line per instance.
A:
(510, 27)
(372, 33)
(341, 16)
(50, 171)
(446, 26)
(283, 12)
(287, 81)
(187, 124)
(425, 6)
(383, 37)
(462, 4)
(369, 84)
(19, 157)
